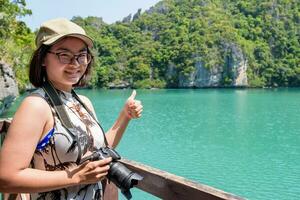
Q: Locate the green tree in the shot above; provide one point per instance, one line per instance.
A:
(16, 39)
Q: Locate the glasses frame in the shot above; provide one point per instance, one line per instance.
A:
(74, 57)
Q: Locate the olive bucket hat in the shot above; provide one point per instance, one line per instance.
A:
(53, 30)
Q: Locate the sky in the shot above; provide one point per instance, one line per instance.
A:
(110, 10)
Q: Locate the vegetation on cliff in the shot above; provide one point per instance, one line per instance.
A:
(139, 50)
(16, 39)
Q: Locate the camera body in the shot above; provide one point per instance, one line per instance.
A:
(118, 173)
(106, 152)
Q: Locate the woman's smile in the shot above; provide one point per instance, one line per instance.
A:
(73, 73)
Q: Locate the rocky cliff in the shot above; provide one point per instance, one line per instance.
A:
(8, 86)
(232, 73)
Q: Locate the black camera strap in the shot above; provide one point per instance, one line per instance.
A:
(62, 114)
(91, 114)
(58, 105)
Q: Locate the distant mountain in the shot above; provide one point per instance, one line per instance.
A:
(180, 44)
(200, 43)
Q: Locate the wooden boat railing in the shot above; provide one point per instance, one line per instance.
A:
(159, 183)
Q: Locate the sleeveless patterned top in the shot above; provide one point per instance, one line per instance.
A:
(56, 151)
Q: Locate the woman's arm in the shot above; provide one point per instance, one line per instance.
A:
(32, 119)
(132, 109)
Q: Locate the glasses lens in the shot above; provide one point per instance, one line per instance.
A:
(65, 58)
(84, 59)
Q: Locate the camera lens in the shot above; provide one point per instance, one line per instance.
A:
(123, 177)
(118, 173)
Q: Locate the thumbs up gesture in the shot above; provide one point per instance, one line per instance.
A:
(133, 108)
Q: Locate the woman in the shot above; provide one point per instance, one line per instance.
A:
(39, 156)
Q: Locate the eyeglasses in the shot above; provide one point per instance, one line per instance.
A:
(68, 58)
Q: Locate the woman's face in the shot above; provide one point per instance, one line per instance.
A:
(62, 68)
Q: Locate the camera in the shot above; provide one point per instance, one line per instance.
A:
(120, 175)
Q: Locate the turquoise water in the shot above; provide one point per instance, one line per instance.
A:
(246, 142)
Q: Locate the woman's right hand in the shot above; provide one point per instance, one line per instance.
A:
(90, 172)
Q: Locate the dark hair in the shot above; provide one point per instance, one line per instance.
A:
(37, 73)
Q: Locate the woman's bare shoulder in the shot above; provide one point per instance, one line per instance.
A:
(35, 102)
(35, 106)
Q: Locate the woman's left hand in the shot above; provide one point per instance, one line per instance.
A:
(133, 108)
